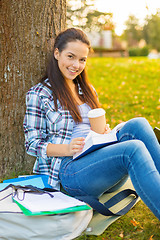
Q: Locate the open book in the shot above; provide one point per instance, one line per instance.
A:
(95, 141)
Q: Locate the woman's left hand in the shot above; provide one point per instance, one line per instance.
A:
(107, 129)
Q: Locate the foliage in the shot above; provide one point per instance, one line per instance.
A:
(151, 30)
(127, 88)
(82, 14)
(138, 51)
(132, 34)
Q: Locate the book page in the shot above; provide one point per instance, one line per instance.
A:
(95, 141)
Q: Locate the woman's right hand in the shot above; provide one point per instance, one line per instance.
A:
(76, 145)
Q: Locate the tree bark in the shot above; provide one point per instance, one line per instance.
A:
(27, 31)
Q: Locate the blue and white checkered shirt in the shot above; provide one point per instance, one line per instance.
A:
(43, 125)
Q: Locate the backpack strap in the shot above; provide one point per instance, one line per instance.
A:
(104, 208)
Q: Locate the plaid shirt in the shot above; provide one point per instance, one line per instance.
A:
(44, 125)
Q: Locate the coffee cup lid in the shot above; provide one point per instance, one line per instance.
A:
(97, 112)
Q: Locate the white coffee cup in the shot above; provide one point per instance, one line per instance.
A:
(97, 120)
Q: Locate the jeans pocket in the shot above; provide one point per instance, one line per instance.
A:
(73, 191)
(70, 185)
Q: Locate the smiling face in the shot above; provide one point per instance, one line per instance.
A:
(72, 59)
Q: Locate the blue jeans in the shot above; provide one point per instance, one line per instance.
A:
(136, 154)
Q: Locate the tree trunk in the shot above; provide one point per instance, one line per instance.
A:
(27, 32)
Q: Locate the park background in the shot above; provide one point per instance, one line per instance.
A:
(125, 73)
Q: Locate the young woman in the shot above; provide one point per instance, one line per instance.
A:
(56, 125)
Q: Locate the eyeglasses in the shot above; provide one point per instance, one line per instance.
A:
(20, 191)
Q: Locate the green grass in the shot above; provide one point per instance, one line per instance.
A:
(127, 88)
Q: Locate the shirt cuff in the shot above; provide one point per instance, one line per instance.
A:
(42, 151)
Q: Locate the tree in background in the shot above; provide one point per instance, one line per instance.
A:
(151, 30)
(82, 14)
(27, 31)
(133, 32)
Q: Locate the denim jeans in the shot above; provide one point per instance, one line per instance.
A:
(136, 154)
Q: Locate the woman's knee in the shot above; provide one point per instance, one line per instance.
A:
(139, 122)
(135, 147)
(136, 128)
(137, 144)
(134, 154)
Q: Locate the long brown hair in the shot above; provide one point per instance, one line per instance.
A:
(59, 87)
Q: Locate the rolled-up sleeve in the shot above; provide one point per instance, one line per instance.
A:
(35, 126)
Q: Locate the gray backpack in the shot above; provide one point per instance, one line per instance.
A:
(15, 225)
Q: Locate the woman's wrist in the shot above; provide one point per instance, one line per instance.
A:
(58, 150)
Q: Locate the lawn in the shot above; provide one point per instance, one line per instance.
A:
(127, 88)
